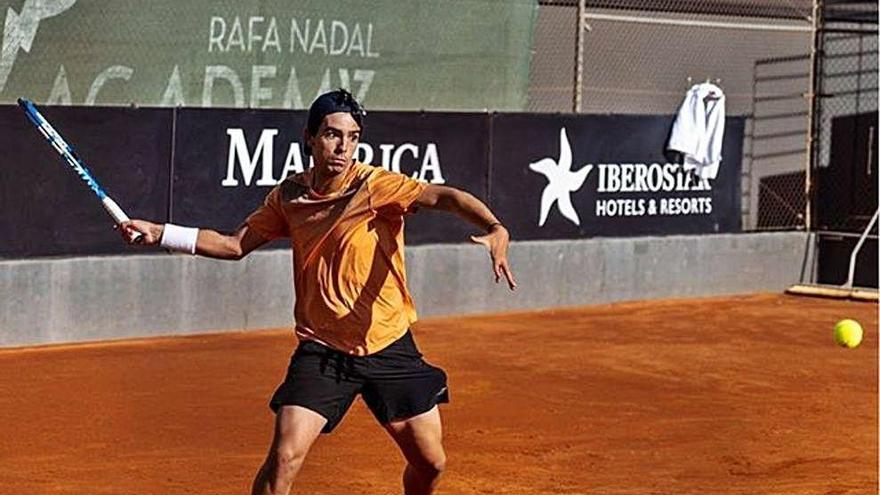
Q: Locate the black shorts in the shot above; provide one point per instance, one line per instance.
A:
(396, 383)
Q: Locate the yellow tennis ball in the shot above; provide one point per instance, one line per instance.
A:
(848, 333)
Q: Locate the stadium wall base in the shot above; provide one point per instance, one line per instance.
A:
(50, 301)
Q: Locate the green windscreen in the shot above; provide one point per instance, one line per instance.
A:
(414, 54)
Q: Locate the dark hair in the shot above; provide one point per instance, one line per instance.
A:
(333, 102)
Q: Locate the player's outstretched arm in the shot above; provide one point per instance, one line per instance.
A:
(208, 242)
(465, 205)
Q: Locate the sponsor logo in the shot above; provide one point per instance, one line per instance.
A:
(621, 189)
(419, 161)
(561, 182)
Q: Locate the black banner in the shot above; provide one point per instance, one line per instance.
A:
(576, 176)
(46, 209)
(226, 161)
(546, 176)
(449, 149)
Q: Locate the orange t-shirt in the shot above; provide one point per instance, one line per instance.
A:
(348, 266)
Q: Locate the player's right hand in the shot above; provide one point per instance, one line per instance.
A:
(496, 241)
(150, 232)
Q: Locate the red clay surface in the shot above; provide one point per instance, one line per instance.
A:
(740, 395)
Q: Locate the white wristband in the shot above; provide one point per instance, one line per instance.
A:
(177, 238)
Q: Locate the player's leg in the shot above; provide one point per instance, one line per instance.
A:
(421, 440)
(312, 399)
(402, 391)
(296, 429)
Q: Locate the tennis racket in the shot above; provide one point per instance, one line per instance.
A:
(69, 156)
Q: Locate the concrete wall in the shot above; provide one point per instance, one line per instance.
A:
(68, 300)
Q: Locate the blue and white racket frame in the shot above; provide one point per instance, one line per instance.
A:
(69, 156)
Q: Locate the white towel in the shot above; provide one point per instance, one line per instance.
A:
(699, 130)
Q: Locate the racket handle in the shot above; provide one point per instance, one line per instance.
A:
(119, 216)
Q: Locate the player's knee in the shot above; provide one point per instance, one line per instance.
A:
(287, 461)
(432, 468)
(438, 466)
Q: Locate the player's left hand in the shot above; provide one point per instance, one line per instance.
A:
(496, 241)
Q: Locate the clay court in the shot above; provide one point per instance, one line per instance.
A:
(719, 395)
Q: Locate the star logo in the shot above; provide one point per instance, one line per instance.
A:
(561, 182)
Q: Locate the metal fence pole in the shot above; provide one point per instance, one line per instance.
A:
(813, 114)
(579, 56)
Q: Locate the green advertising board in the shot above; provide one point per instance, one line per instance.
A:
(414, 54)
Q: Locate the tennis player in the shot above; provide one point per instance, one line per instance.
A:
(353, 310)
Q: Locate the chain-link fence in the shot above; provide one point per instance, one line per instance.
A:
(775, 157)
(844, 173)
(641, 56)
